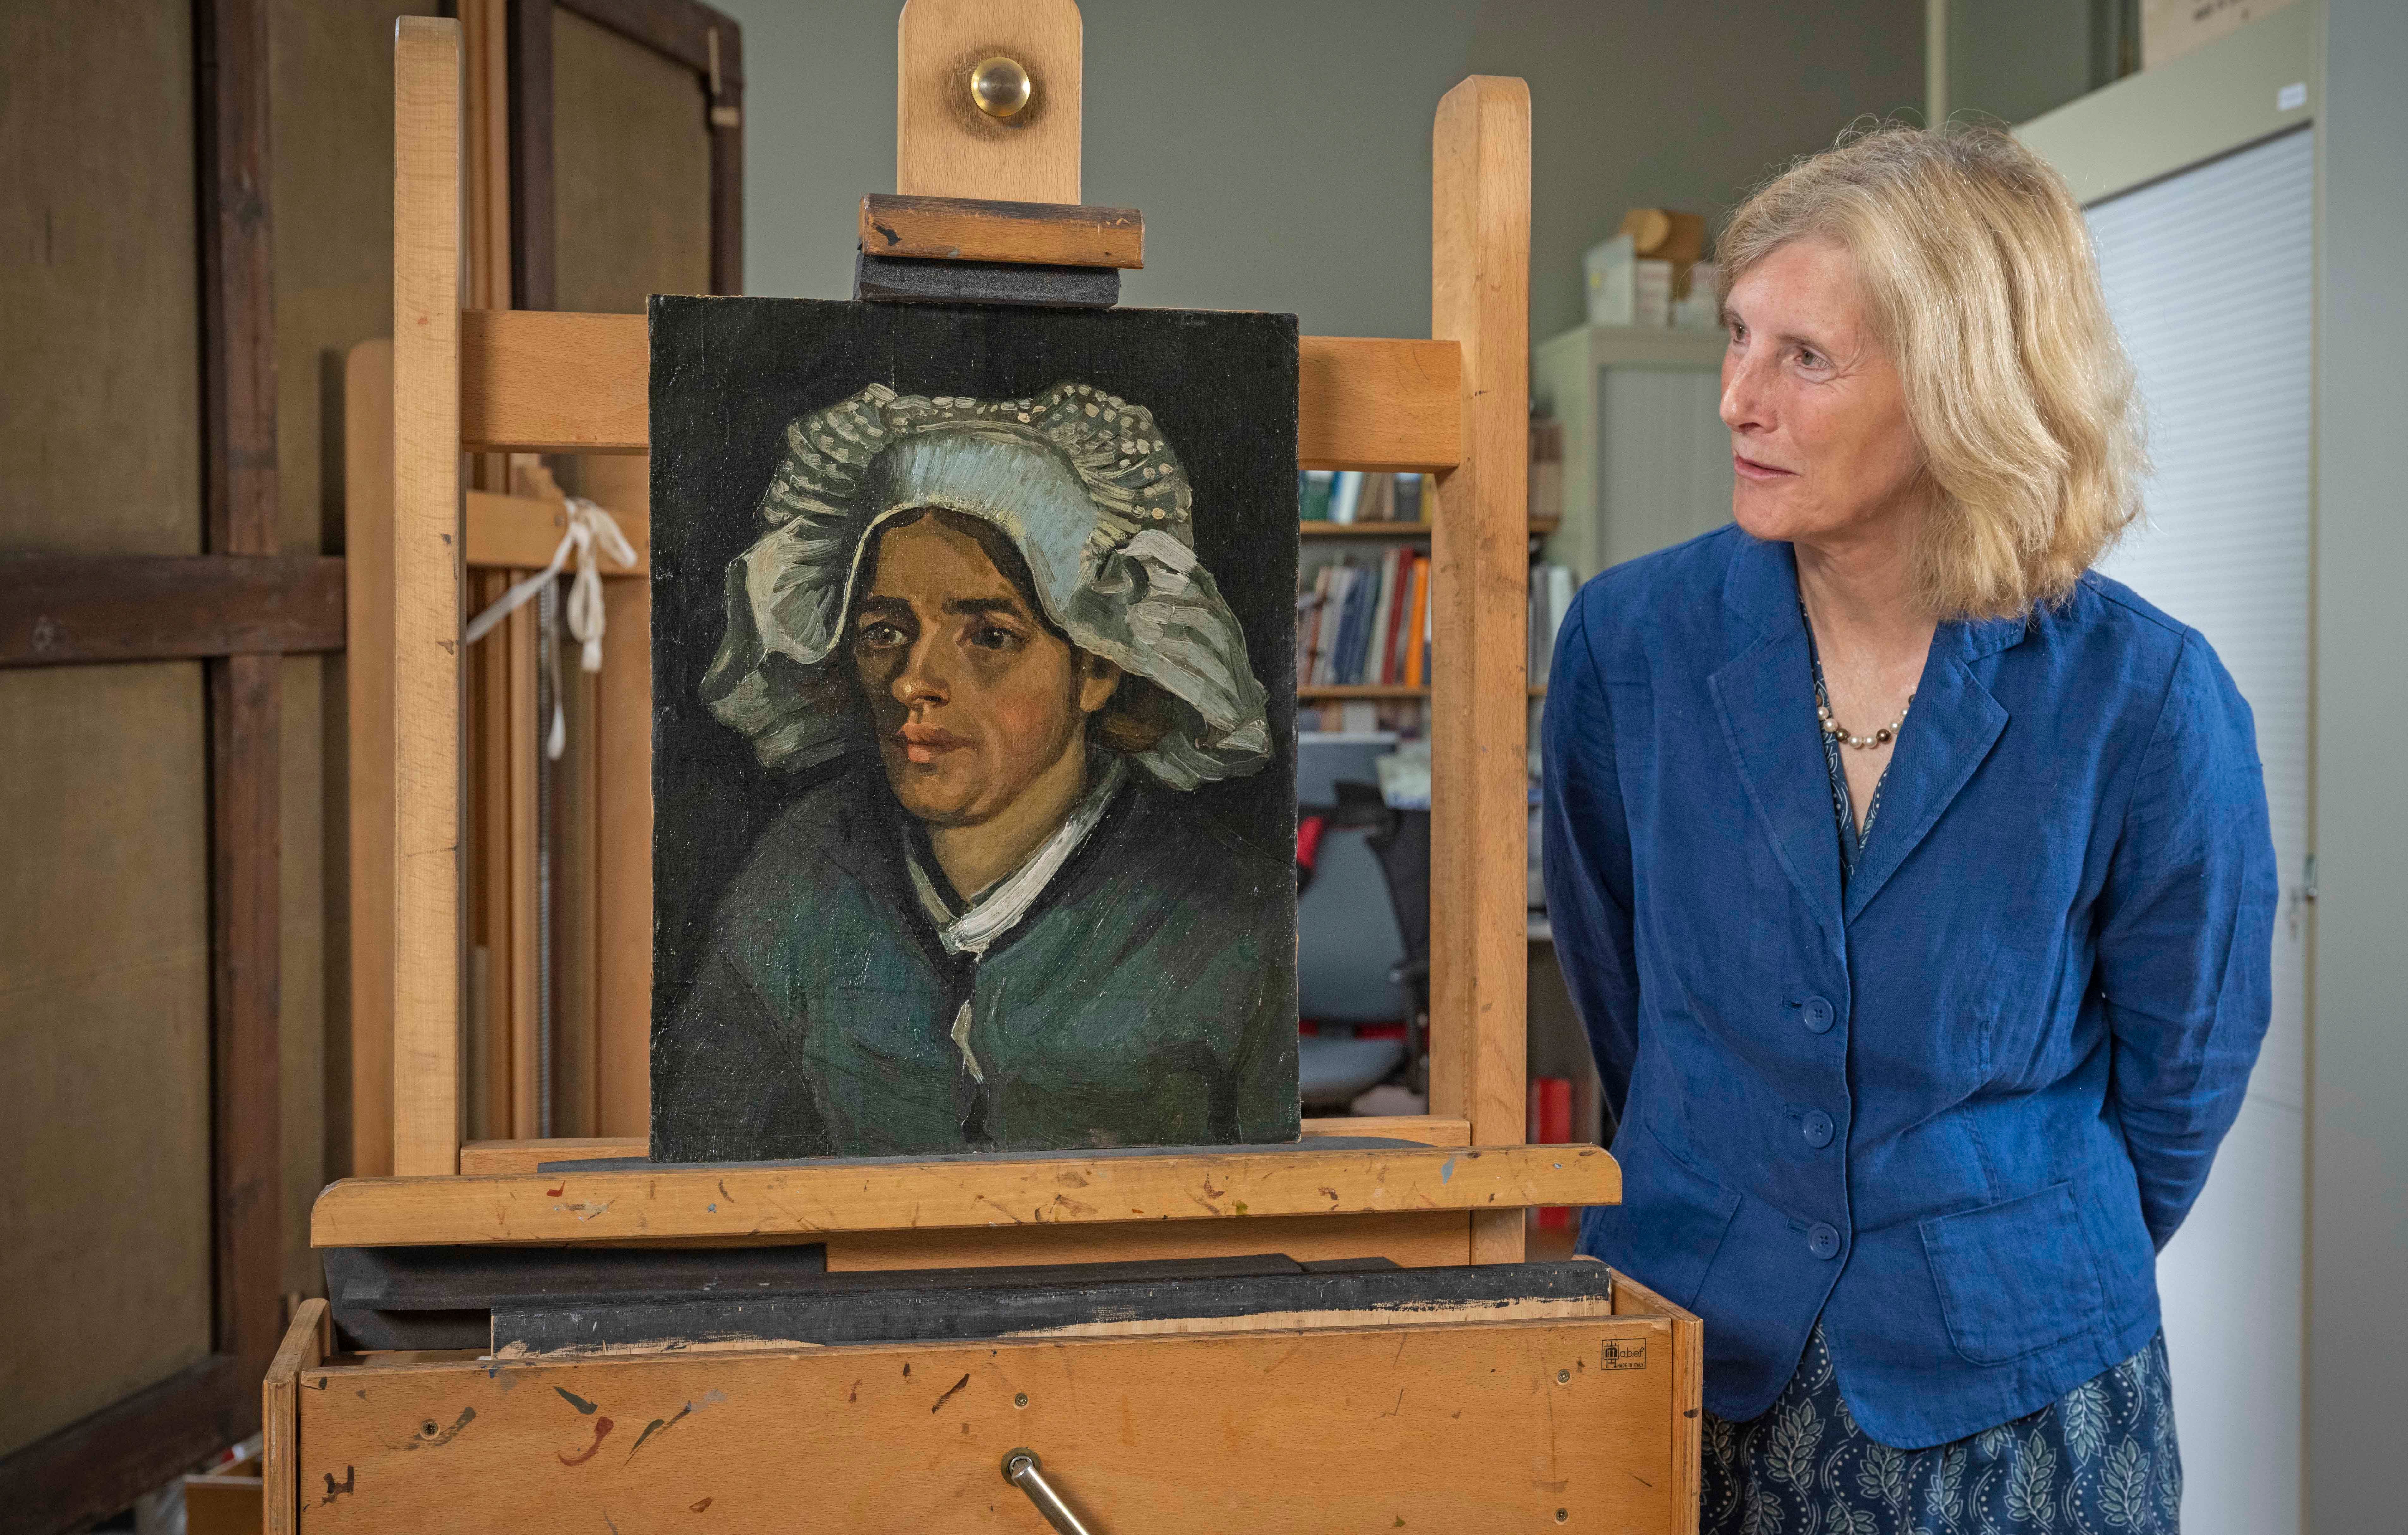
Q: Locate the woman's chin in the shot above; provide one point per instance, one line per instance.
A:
(938, 793)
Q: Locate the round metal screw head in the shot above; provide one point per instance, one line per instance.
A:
(1000, 87)
(1020, 1400)
(1563, 1515)
(1563, 1377)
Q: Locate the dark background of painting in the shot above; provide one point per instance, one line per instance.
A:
(729, 374)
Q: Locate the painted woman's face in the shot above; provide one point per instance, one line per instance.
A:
(972, 698)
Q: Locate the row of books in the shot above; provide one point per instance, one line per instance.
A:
(1369, 624)
(1359, 495)
(1366, 624)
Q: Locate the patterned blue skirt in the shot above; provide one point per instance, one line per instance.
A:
(2100, 1458)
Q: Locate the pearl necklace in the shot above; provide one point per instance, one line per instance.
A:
(1882, 736)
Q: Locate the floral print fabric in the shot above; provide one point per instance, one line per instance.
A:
(2099, 1461)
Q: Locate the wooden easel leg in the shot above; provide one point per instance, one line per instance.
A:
(426, 610)
(1480, 261)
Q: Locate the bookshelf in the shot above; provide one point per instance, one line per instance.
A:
(1372, 692)
(1540, 527)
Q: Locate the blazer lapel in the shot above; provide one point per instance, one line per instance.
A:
(1766, 697)
(1949, 730)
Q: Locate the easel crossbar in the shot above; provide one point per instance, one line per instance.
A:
(753, 1201)
(532, 381)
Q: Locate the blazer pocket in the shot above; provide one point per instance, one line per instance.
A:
(1677, 1216)
(2014, 1277)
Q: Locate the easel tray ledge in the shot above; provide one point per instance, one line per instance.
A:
(771, 1202)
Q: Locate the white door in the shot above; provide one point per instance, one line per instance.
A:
(2209, 276)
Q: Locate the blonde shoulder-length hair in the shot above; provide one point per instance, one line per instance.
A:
(1979, 275)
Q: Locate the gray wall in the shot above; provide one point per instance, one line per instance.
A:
(1279, 149)
(2357, 1133)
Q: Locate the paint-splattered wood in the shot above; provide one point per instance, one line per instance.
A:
(979, 229)
(1513, 1426)
(944, 146)
(532, 381)
(486, 1157)
(740, 1201)
(521, 532)
(1480, 293)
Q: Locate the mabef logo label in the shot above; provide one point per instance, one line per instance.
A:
(1623, 1354)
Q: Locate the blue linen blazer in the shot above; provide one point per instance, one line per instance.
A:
(1955, 1112)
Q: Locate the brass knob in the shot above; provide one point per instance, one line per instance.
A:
(1000, 87)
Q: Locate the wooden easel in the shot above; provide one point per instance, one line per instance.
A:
(1453, 406)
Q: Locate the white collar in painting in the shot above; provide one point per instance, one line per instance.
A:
(997, 911)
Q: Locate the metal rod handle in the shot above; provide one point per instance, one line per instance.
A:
(1022, 1470)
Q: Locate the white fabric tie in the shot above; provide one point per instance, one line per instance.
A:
(589, 526)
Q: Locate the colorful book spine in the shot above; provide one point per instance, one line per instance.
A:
(1312, 496)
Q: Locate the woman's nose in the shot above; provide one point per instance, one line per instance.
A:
(1743, 402)
(923, 680)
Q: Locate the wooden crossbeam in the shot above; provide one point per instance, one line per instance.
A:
(543, 382)
(977, 229)
(771, 1200)
(521, 532)
(67, 610)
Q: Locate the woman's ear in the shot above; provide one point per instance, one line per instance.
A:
(1098, 679)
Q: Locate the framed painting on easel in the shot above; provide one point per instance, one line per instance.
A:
(974, 768)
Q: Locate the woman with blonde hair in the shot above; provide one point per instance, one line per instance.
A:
(1913, 880)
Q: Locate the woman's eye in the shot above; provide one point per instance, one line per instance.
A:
(1809, 357)
(881, 636)
(989, 637)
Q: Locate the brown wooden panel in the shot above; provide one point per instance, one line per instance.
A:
(1529, 1425)
(246, 773)
(631, 171)
(100, 438)
(58, 609)
(581, 383)
(104, 1037)
(977, 229)
(99, 1465)
(770, 1199)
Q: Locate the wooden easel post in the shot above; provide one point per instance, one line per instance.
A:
(1480, 299)
(426, 563)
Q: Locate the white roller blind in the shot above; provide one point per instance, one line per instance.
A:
(2209, 277)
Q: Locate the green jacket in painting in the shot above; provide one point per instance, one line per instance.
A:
(1148, 998)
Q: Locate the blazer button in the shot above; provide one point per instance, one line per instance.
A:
(1819, 1130)
(1822, 1240)
(1819, 1014)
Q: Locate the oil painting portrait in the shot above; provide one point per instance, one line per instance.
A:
(974, 777)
